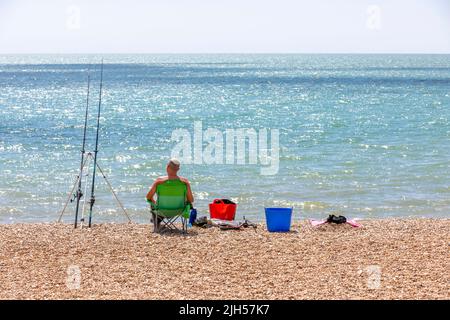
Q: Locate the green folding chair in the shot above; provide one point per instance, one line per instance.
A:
(171, 205)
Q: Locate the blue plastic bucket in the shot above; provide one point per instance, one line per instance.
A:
(278, 219)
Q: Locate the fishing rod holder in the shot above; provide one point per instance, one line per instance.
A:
(92, 199)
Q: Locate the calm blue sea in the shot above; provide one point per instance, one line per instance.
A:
(366, 136)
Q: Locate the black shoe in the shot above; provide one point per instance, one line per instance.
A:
(201, 222)
(336, 219)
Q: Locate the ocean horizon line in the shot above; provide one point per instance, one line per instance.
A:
(225, 53)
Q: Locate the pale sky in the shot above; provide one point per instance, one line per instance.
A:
(227, 26)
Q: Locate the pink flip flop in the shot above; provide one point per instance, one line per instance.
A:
(316, 223)
(353, 223)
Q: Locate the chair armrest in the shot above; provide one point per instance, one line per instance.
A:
(187, 211)
(152, 205)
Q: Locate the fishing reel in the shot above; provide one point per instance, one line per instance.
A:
(77, 195)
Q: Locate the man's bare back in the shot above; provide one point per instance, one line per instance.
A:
(172, 174)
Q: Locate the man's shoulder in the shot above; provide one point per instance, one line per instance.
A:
(185, 180)
(162, 179)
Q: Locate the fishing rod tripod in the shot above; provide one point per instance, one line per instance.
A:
(77, 195)
(86, 158)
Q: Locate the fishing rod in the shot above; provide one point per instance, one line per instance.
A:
(86, 158)
(79, 193)
(91, 203)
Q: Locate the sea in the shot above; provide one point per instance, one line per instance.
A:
(364, 136)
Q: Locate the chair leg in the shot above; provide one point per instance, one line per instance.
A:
(156, 223)
(169, 224)
(184, 221)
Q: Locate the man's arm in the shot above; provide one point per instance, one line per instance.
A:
(152, 192)
(190, 196)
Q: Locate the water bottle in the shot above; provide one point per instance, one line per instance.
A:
(192, 216)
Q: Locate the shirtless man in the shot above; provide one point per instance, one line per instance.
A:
(172, 168)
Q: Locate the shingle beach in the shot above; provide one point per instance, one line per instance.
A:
(384, 259)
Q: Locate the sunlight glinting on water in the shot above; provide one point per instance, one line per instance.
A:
(366, 136)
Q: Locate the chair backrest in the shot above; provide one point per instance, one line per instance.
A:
(171, 195)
